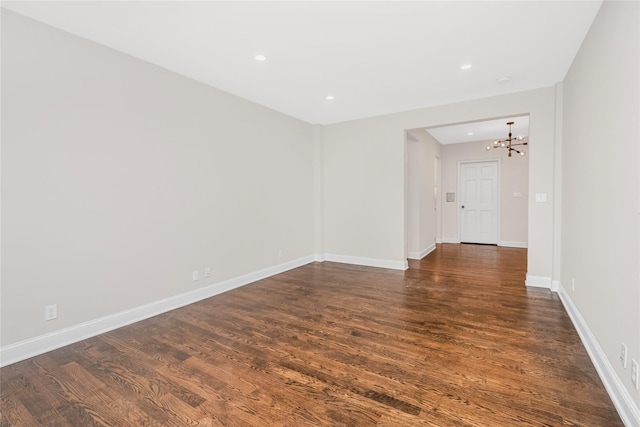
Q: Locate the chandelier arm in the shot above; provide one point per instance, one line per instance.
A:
(509, 143)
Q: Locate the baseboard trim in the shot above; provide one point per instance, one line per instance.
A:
(510, 244)
(423, 253)
(450, 240)
(368, 262)
(22, 350)
(622, 400)
(538, 281)
(505, 243)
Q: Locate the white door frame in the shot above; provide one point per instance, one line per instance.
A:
(499, 194)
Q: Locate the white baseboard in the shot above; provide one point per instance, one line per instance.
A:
(510, 244)
(450, 240)
(505, 243)
(369, 262)
(423, 253)
(22, 350)
(12, 353)
(622, 400)
(538, 281)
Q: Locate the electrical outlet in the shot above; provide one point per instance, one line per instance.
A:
(623, 355)
(50, 312)
(634, 373)
(207, 272)
(194, 275)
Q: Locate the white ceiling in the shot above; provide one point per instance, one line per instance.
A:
(374, 57)
(481, 131)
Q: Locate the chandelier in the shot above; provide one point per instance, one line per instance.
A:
(509, 143)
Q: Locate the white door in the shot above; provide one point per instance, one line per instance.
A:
(479, 202)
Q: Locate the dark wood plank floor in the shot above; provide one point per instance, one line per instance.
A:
(456, 340)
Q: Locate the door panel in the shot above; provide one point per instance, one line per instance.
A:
(479, 202)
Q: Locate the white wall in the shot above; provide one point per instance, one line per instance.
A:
(421, 152)
(514, 178)
(119, 178)
(601, 185)
(430, 149)
(364, 177)
(412, 196)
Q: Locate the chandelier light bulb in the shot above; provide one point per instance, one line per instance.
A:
(509, 143)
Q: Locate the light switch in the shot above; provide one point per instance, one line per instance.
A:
(541, 197)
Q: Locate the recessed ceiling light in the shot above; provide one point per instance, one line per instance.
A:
(330, 98)
(260, 58)
(465, 67)
(503, 80)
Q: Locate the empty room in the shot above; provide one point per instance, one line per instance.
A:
(318, 213)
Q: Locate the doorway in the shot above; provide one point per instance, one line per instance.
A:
(479, 201)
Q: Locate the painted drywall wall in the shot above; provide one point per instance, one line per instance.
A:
(514, 179)
(430, 149)
(601, 205)
(412, 196)
(364, 177)
(421, 152)
(120, 178)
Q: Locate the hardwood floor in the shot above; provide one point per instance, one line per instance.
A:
(456, 340)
